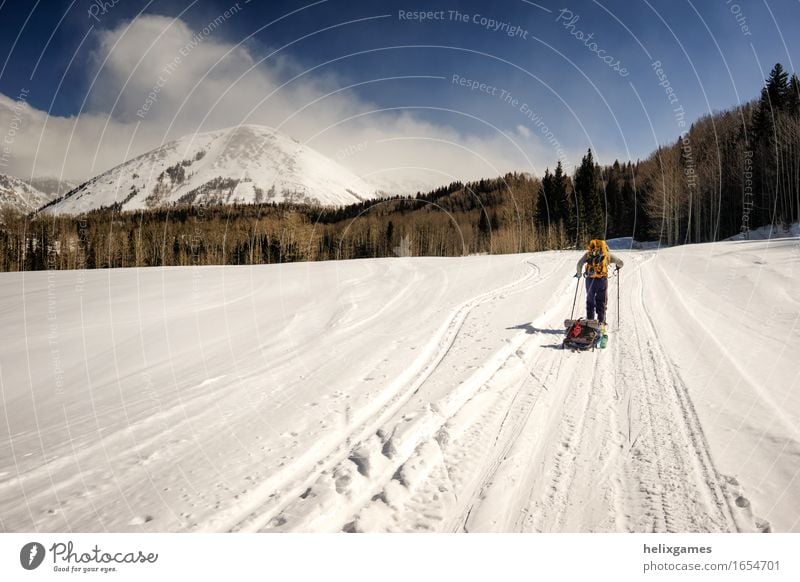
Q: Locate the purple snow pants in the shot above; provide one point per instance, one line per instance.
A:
(596, 290)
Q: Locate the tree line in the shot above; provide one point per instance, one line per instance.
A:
(489, 216)
(730, 172)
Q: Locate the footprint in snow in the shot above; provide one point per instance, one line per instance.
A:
(763, 526)
(141, 520)
(743, 503)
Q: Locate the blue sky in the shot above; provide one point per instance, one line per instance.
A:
(713, 55)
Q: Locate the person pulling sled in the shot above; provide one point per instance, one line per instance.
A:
(590, 332)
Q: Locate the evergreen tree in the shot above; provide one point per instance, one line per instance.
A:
(562, 196)
(776, 100)
(494, 222)
(793, 97)
(775, 97)
(613, 195)
(389, 236)
(544, 201)
(778, 87)
(484, 226)
(590, 212)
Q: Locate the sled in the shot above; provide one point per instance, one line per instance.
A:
(583, 334)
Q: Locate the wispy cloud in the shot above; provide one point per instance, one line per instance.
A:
(523, 131)
(156, 79)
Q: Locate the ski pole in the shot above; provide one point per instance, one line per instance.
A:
(577, 286)
(618, 280)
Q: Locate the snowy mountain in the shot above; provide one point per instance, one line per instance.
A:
(246, 163)
(19, 195)
(52, 186)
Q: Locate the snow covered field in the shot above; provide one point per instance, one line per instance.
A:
(408, 394)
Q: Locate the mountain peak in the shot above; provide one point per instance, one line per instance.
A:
(20, 195)
(246, 163)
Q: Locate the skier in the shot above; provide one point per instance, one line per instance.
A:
(597, 259)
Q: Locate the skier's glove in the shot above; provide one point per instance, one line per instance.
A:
(577, 275)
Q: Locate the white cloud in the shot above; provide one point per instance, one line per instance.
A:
(523, 131)
(199, 83)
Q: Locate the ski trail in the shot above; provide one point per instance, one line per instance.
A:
(471, 419)
(561, 470)
(729, 489)
(447, 470)
(672, 483)
(730, 359)
(264, 502)
(533, 439)
(592, 441)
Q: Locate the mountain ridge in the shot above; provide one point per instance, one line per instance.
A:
(241, 164)
(19, 195)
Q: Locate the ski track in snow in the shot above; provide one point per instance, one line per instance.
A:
(338, 468)
(490, 426)
(670, 463)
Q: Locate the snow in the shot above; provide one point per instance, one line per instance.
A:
(405, 394)
(20, 196)
(52, 186)
(770, 231)
(223, 166)
(628, 243)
